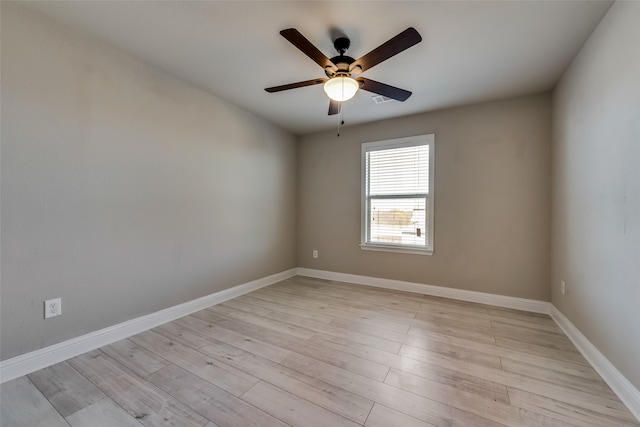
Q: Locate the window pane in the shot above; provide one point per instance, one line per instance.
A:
(398, 221)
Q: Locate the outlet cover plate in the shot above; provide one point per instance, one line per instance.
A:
(52, 308)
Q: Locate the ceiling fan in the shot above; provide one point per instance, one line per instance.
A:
(341, 85)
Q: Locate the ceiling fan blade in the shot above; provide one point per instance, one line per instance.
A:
(383, 89)
(295, 85)
(334, 107)
(392, 47)
(299, 41)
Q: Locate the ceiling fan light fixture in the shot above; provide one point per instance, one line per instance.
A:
(341, 88)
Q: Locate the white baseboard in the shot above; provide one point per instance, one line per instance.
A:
(38, 359)
(629, 395)
(524, 304)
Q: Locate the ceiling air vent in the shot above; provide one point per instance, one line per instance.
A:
(379, 99)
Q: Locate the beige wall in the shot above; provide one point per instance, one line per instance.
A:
(123, 190)
(492, 198)
(596, 190)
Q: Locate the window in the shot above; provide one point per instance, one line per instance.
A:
(397, 195)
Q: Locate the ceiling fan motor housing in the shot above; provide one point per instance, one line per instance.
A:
(342, 62)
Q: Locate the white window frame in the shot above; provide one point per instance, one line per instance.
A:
(427, 249)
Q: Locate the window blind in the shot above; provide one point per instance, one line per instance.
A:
(397, 194)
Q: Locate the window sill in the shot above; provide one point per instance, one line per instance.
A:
(398, 249)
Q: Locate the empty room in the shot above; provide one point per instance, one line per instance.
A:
(300, 213)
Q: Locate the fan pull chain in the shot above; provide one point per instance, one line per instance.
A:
(341, 122)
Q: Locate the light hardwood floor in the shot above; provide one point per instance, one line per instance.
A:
(308, 352)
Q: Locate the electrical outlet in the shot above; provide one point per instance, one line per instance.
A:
(315, 253)
(562, 287)
(52, 308)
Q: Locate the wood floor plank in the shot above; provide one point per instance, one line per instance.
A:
(134, 357)
(437, 315)
(551, 340)
(246, 342)
(397, 327)
(564, 394)
(245, 328)
(462, 307)
(292, 409)
(281, 296)
(183, 335)
(22, 405)
(449, 308)
(345, 360)
(542, 350)
(434, 372)
(216, 372)
(527, 324)
(359, 306)
(544, 359)
(356, 364)
(425, 341)
(510, 313)
(337, 400)
(409, 403)
(381, 416)
(241, 305)
(426, 328)
(565, 412)
(388, 300)
(389, 296)
(430, 326)
(286, 321)
(103, 413)
(145, 402)
(353, 335)
(66, 389)
(310, 314)
(314, 307)
(359, 301)
(417, 327)
(324, 395)
(284, 328)
(377, 292)
(366, 328)
(222, 408)
(593, 385)
(499, 412)
(289, 344)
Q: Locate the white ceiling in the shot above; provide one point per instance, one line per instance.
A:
(471, 51)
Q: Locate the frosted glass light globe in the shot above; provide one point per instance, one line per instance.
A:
(341, 88)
